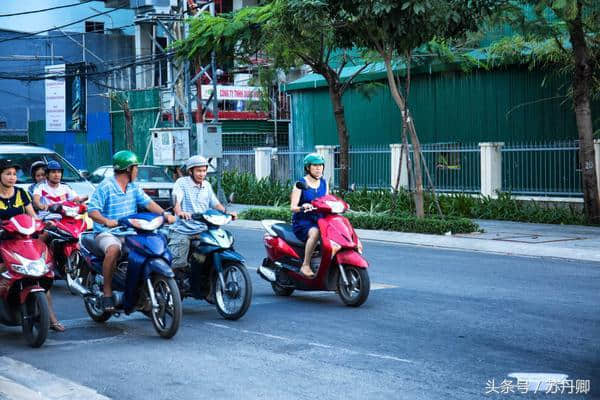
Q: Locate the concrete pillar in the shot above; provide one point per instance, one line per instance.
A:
(491, 168)
(143, 48)
(396, 153)
(597, 161)
(262, 162)
(328, 154)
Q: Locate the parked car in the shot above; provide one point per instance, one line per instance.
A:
(152, 179)
(26, 154)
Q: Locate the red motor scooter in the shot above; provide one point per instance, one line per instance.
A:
(64, 235)
(338, 263)
(26, 275)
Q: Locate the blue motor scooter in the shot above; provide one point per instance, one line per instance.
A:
(216, 272)
(143, 280)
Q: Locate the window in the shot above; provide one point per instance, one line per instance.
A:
(94, 26)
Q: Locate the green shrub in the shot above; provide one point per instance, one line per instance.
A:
(267, 192)
(380, 221)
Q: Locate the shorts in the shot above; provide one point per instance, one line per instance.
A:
(105, 240)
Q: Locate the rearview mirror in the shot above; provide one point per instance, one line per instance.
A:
(231, 197)
(85, 173)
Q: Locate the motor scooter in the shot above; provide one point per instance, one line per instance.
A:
(216, 272)
(143, 280)
(337, 262)
(25, 275)
(64, 235)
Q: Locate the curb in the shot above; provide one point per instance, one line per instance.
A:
(461, 243)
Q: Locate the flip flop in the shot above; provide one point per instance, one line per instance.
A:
(57, 326)
(312, 274)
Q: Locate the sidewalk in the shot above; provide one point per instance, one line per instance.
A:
(571, 242)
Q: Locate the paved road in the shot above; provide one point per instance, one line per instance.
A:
(441, 325)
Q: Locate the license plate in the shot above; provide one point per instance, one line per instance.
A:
(163, 192)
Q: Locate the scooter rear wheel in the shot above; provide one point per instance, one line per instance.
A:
(92, 306)
(359, 285)
(281, 291)
(36, 319)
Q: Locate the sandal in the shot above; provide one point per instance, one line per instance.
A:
(310, 276)
(57, 326)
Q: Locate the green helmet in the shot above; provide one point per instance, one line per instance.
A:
(313, 159)
(124, 159)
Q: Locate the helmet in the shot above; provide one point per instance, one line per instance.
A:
(124, 159)
(37, 165)
(8, 163)
(196, 161)
(313, 159)
(54, 166)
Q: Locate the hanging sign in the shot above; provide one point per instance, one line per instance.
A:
(56, 117)
(232, 92)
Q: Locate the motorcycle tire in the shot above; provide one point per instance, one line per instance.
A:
(281, 291)
(167, 318)
(95, 311)
(36, 320)
(356, 293)
(233, 305)
(73, 270)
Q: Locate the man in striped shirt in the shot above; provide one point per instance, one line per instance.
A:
(116, 197)
(191, 194)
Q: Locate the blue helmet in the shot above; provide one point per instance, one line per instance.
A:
(54, 166)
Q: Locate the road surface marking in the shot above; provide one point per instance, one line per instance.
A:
(46, 386)
(313, 344)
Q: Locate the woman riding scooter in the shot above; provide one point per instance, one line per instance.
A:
(14, 201)
(305, 224)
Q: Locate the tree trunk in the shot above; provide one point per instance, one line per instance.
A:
(401, 103)
(583, 117)
(342, 131)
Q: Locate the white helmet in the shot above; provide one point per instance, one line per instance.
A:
(196, 161)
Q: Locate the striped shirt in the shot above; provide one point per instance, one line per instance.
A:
(192, 198)
(109, 199)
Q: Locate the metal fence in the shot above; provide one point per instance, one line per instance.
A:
(539, 169)
(369, 166)
(453, 167)
(238, 160)
(542, 169)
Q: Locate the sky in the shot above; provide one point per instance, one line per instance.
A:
(49, 19)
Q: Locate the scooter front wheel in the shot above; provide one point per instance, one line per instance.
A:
(234, 299)
(167, 317)
(357, 290)
(36, 319)
(73, 270)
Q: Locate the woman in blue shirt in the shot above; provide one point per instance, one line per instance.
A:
(305, 223)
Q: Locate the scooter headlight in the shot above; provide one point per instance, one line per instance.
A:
(31, 267)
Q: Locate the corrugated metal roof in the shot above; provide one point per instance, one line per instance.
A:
(376, 71)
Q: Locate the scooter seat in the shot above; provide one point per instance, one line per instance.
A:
(88, 240)
(286, 232)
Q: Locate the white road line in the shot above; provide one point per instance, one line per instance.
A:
(45, 385)
(314, 344)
